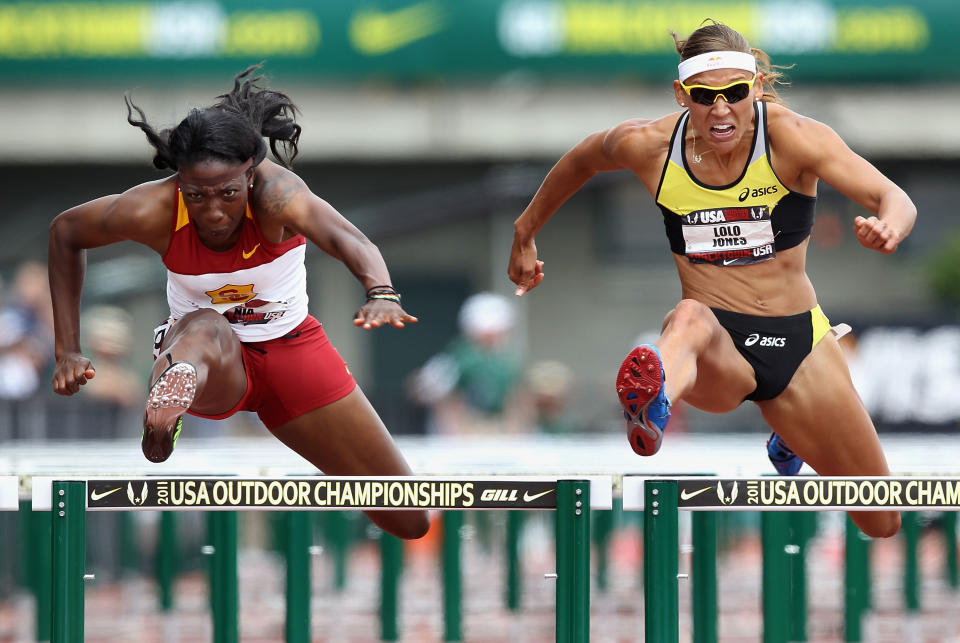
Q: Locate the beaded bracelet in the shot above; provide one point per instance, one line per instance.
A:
(387, 292)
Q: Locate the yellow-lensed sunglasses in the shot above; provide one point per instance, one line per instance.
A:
(708, 95)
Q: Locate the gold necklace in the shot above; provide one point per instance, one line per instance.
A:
(697, 157)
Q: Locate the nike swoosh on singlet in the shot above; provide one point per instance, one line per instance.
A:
(726, 262)
(247, 255)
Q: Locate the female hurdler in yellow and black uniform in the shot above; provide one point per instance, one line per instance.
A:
(735, 175)
(738, 224)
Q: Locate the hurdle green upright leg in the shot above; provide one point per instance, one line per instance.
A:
(167, 558)
(452, 593)
(911, 570)
(336, 530)
(704, 528)
(661, 562)
(602, 530)
(223, 576)
(514, 586)
(36, 564)
(856, 581)
(68, 519)
(391, 567)
(298, 539)
(950, 542)
(799, 530)
(776, 569)
(573, 561)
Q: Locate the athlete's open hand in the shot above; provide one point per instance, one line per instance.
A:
(71, 372)
(875, 234)
(380, 312)
(525, 269)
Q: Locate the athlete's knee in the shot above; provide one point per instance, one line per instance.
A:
(693, 320)
(206, 326)
(412, 525)
(881, 524)
(206, 318)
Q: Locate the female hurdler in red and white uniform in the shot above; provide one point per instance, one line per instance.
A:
(231, 227)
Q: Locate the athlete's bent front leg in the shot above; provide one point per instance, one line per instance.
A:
(701, 364)
(347, 438)
(205, 340)
(200, 368)
(821, 417)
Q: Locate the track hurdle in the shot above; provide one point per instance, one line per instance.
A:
(70, 499)
(662, 499)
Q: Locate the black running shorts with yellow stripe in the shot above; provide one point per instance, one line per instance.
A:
(774, 346)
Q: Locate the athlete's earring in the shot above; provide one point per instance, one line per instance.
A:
(251, 186)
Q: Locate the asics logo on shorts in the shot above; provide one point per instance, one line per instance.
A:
(774, 342)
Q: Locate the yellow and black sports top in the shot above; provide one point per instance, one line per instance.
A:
(737, 224)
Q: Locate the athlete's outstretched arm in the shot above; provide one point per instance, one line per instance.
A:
(304, 212)
(828, 157)
(623, 146)
(96, 223)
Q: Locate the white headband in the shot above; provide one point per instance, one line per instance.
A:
(716, 60)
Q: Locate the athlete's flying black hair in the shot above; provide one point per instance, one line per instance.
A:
(231, 130)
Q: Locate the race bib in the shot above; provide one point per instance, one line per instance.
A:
(729, 236)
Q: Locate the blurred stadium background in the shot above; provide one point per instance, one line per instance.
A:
(429, 124)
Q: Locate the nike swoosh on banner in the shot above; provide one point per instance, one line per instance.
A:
(95, 495)
(247, 255)
(684, 495)
(528, 498)
(375, 33)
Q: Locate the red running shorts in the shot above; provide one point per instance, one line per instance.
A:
(291, 375)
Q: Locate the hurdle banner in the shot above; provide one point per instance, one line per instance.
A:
(318, 493)
(71, 498)
(805, 493)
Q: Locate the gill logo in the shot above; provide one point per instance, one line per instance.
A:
(133, 497)
(231, 294)
(374, 32)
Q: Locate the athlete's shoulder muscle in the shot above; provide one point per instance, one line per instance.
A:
(799, 141)
(639, 144)
(144, 213)
(276, 191)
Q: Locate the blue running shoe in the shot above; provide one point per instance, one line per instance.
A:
(785, 461)
(645, 405)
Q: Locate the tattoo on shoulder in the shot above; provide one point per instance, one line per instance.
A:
(277, 192)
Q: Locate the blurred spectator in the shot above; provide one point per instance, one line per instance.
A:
(472, 386)
(108, 338)
(26, 332)
(550, 384)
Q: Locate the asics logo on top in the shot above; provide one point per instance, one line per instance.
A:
(247, 255)
(746, 193)
(773, 342)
